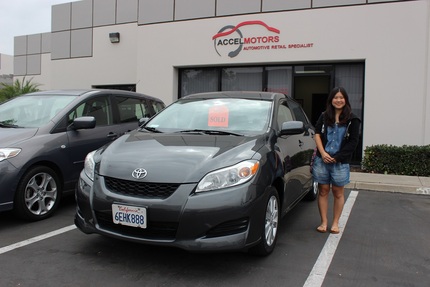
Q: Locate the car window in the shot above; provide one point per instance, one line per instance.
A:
(132, 109)
(157, 106)
(128, 109)
(99, 108)
(298, 112)
(284, 115)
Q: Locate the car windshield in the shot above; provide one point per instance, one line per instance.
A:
(32, 111)
(217, 116)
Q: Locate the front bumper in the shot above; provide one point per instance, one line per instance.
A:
(8, 183)
(229, 219)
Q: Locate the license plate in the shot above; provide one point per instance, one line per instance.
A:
(133, 216)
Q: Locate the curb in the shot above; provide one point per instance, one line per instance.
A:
(389, 183)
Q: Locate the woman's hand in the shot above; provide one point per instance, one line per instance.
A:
(327, 158)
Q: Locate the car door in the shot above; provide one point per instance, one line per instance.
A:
(81, 142)
(306, 143)
(288, 148)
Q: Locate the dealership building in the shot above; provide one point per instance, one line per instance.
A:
(378, 50)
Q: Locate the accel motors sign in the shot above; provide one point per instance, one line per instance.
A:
(230, 40)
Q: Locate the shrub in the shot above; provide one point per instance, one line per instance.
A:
(17, 88)
(399, 160)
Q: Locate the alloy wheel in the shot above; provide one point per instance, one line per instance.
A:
(40, 193)
(272, 215)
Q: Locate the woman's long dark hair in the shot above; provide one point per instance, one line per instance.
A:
(330, 116)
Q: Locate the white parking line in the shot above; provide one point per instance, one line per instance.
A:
(317, 275)
(35, 239)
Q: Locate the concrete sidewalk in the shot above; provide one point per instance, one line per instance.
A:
(390, 183)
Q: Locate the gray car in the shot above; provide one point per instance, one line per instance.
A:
(211, 172)
(45, 136)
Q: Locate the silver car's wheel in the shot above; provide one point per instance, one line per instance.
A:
(272, 215)
(38, 194)
(269, 228)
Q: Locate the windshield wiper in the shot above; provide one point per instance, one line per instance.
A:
(6, 125)
(151, 129)
(211, 132)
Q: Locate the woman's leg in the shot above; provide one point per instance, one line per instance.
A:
(323, 192)
(339, 201)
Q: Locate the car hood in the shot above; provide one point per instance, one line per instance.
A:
(175, 158)
(10, 137)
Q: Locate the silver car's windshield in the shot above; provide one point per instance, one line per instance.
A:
(222, 116)
(32, 111)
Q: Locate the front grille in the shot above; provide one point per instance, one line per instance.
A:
(140, 189)
(154, 230)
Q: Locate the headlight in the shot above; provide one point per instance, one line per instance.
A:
(6, 153)
(89, 165)
(230, 176)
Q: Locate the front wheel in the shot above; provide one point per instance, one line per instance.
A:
(38, 194)
(269, 232)
(313, 192)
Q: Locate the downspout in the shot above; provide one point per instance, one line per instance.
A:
(426, 103)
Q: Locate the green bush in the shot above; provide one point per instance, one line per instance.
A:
(399, 160)
(8, 91)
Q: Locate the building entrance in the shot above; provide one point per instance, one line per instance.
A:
(312, 85)
(312, 92)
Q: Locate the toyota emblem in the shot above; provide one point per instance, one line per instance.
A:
(139, 173)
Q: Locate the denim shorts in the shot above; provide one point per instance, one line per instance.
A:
(335, 173)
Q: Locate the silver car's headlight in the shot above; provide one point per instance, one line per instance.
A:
(229, 176)
(6, 153)
(90, 165)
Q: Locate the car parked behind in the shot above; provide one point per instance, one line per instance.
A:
(211, 172)
(45, 136)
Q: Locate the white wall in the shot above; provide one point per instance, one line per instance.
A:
(44, 79)
(6, 67)
(111, 63)
(392, 39)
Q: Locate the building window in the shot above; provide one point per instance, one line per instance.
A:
(199, 81)
(351, 77)
(279, 79)
(242, 79)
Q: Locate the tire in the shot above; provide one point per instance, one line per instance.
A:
(313, 192)
(38, 194)
(269, 229)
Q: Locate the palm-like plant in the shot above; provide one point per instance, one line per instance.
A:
(8, 91)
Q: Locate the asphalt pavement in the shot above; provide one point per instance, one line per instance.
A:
(389, 183)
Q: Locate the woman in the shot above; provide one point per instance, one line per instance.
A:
(337, 135)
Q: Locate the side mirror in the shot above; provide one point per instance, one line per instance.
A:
(292, 128)
(83, 123)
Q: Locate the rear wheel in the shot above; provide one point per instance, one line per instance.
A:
(269, 232)
(38, 194)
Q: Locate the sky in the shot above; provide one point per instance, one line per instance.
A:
(24, 17)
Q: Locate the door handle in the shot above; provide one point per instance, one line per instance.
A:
(112, 135)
